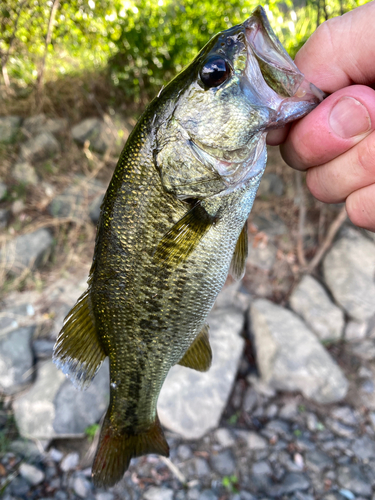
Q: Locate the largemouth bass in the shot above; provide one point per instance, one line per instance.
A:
(172, 224)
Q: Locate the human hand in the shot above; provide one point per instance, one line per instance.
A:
(335, 143)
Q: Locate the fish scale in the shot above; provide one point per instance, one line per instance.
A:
(172, 224)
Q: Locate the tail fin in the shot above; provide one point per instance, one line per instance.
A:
(78, 352)
(116, 449)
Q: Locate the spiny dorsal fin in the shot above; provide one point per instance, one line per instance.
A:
(178, 243)
(237, 266)
(199, 355)
(78, 352)
(116, 449)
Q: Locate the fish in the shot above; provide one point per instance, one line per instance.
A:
(173, 224)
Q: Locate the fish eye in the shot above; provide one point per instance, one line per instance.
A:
(214, 71)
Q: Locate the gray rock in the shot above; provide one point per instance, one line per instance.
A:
(19, 487)
(105, 496)
(27, 449)
(16, 359)
(81, 486)
(250, 400)
(184, 452)
(270, 223)
(271, 184)
(70, 462)
(54, 408)
(261, 467)
(364, 448)
(293, 481)
(262, 256)
(43, 348)
(9, 127)
(24, 172)
(253, 440)
(190, 402)
(224, 437)
(364, 349)
(345, 414)
(99, 134)
(26, 251)
(4, 217)
(233, 296)
(316, 460)
(40, 123)
(156, 493)
(290, 357)
(245, 495)
(223, 463)
(349, 269)
(94, 209)
(32, 474)
(352, 478)
(3, 191)
(201, 467)
(72, 202)
(355, 330)
(311, 302)
(208, 495)
(39, 148)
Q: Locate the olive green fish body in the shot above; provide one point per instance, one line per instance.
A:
(172, 224)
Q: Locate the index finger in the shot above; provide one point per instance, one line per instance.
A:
(341, 51)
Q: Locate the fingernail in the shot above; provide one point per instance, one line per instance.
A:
(349, 118)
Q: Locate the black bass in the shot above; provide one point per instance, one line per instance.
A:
(172, 224)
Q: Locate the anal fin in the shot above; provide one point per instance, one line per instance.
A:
(237, 266)
(116, 449)
(77, 351)
(199, 355)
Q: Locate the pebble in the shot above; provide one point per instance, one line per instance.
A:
(262, 467)
(207, 495)
(105, 496)
(345, 414)
(223, 463)
(317, 460)
(339, 428)
(224, 437)
(155, 493)
(32, 474)
(253, 440)
(81, 486)
(184, 452)
(364, 448)
(201, 467)
(69, 462)
(351, 477)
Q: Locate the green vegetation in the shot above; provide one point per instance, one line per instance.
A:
(91, 430)
(230, 483)
(137, 45)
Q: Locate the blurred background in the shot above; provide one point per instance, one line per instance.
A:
(288, 407)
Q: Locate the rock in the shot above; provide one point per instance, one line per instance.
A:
(155, 493)
(25, 173)
(233, 296)
(70, 462)
(262, 256)
(43, 348)
(364, 349)
(293, 481)
(71, 202)
(355, 330)
(4, 217)
(32, 474)
(26, 251)
(208, 495)
(16, 359)
(290, 357)
(252, 440)
(54, 408)
(262, 467)
(27, 449)
(270, 223)
(184, 452)
(352, 478)
(39, 148)
(40, 123)
(316, 460)
(9, 127)
(94, 209)
(3, 191)
(223, 463)
(224, 437)
(364, 448)
(81, 486)
(104, 496)
(311, 302)
(250, 400)
(345, 414)
(271, 184)
(99, 134)
(349, 269)
(190, 402)
(201, 467)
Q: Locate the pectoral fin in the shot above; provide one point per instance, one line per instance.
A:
(199, 355)
(78, 352)
(237, 266)
(179, 242)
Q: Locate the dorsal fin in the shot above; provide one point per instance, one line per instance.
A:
(78, 352)
(116, 448)
(199, 355)
(178, 243)
(237, 266)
